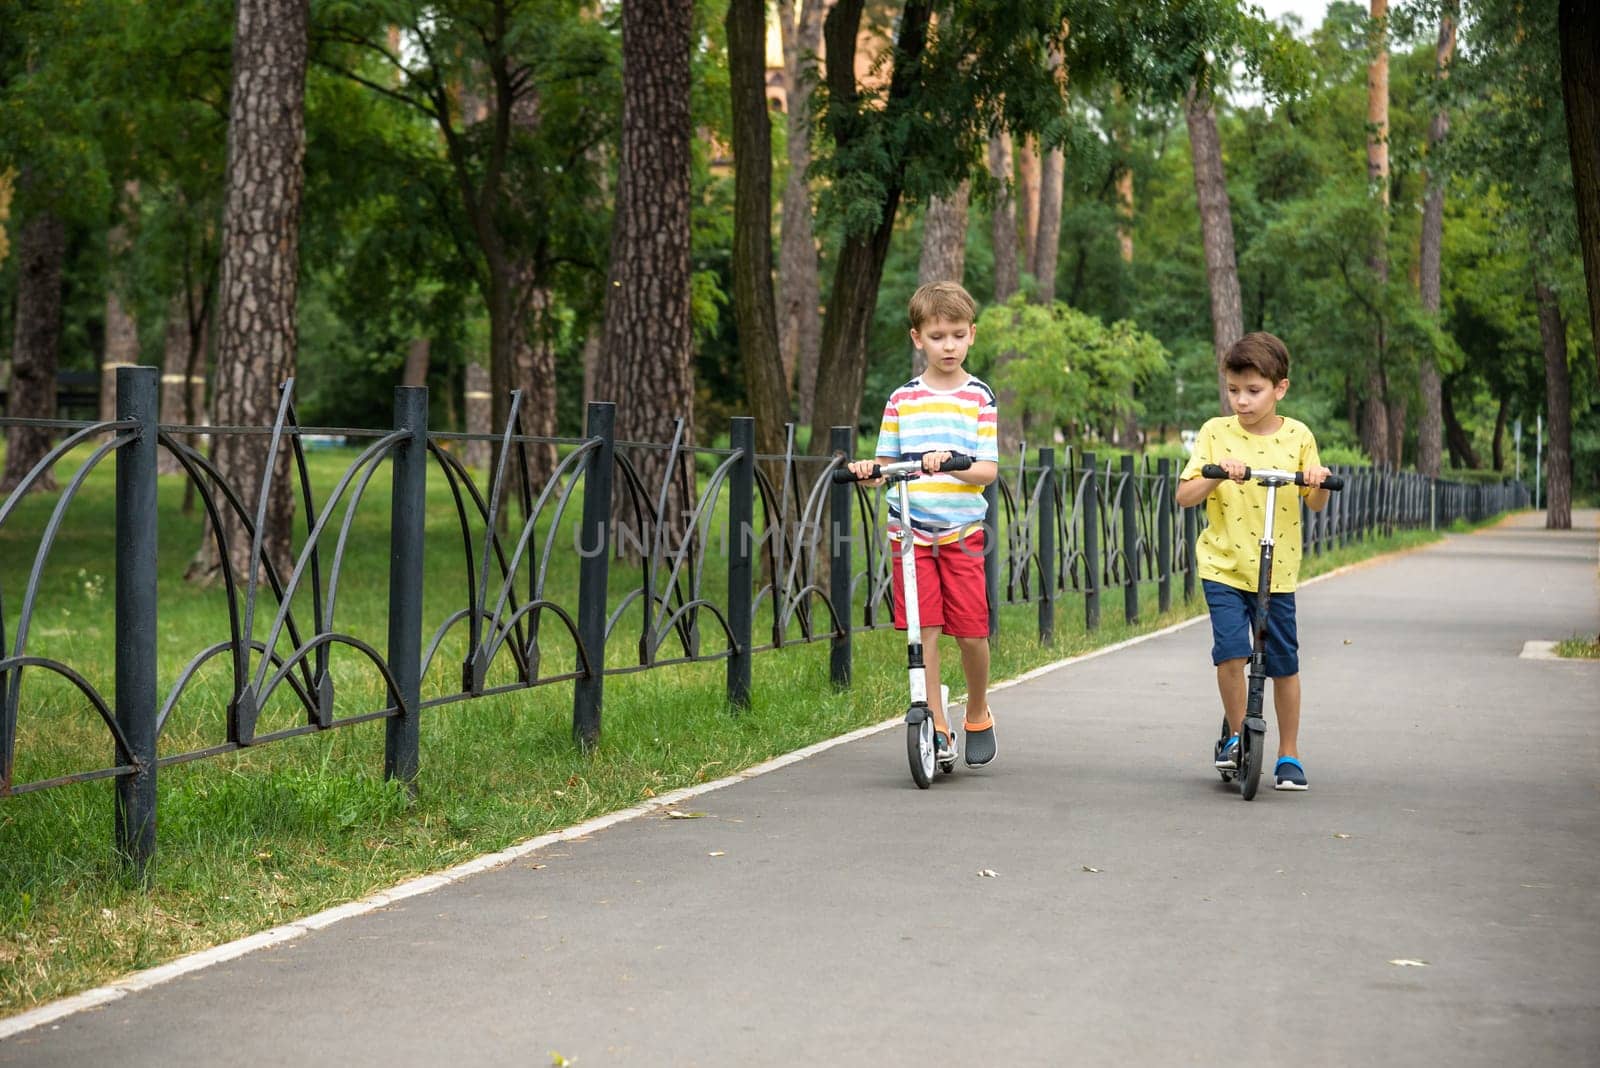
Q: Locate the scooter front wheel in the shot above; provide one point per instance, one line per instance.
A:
(920, 751)
(1252, 743)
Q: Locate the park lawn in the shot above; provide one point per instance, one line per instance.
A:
(255, 838)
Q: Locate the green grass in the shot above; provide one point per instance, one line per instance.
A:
(265, 835)
(1578, 648)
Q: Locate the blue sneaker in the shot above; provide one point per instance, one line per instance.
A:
(1227, 754)
(1290, 775)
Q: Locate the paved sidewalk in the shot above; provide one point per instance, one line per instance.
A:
(1138, 913)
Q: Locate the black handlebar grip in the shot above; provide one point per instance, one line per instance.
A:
(957, 462)
(844, 474)
(1333, 482)
(1216, 471)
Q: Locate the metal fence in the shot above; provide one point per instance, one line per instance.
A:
(763, 553)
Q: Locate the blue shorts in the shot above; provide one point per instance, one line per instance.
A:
(1233, 611)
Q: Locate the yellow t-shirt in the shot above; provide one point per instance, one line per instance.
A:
(1229, 549)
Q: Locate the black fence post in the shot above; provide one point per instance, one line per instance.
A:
(1047, 546)
(1130, 539)
(138, 393)
(741, 521)
(594, 549)
(841, 441)
(1091, 545)
(1164, 534)
(408, 509)
(991, 556)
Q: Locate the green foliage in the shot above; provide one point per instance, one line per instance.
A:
(1065, 368)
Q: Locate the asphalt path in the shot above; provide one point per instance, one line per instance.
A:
(1097, 896)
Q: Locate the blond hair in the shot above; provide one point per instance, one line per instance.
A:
(942, 300)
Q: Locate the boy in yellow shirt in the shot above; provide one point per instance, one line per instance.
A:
(1228, 552)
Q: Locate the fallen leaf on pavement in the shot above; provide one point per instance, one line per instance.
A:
(1407, 962)
(1093, 871)
(676, 815)
(718, 853)
(988, 873)
(1341, 834)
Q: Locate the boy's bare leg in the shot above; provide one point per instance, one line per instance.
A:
(930, 670)
(1286, 701)
(1231, 685)
(975, 666)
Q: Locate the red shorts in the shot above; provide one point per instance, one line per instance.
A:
(951, 592)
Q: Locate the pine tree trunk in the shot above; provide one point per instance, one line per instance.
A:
(1007, 278)
(1579, 22)
(1216, 231)
(799, 279)
(121, 347)
(755, 311)
(1430, 429)
(35, 347)
(256, 331)
(1497, 450)
(1028, 177)
(1004, 216)
(533, 360)
(645, 356)
(1375, 435)
(1462, 454)
(183, 371)
(1047, 246)
(944, 248)
(1558, 410)
(1130, 425)
(859, 268)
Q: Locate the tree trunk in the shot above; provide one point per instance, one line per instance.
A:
(944, 248)
(415, 372)
(480, 416)
(1028, 178)
(755, 312)
(1216, 230)
(1462, 454)
(1006, 270)
(256, 333)
(1130, 425)
(183, 371)
(1397, 430)
(1558, 410)
(645, 357)
(1047, 246)
(1497, 450)
(35, 347)
(1430, 429)
(122, 329)
(1376, 424)
(1579, 23)
(533, 361)
(799, 278)
(1006, 277)
(859, 268)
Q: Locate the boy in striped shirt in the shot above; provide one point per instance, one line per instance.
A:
(944, 412)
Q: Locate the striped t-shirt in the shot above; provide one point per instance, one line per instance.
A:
(918, 420)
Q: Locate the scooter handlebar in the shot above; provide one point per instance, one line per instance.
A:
(957, 462)
(1332, 482)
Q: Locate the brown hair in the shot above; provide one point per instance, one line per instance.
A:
(942, 300)
(1261, 352)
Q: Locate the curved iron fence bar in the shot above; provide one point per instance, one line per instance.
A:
(318, 642)
(501, 634)
(529, 529)
(15, 664)
(258, 535)
(491, 536)
(628, 598)
(495, 691)
(822, 595)
(634, 486)
(700, 516)
(1032, 556)
(438, 637)
(1079, 555)
(200, 469)
(692, 606)
(812, 507)
(349, 521)
(456, 475)
(308, 554)
(319, 622)
(46, 543)
(658, 543)
(1114, 552)
(772, 546)
(52, 457)
(187, 675)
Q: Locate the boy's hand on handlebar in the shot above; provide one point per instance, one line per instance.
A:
(1315, 475)
(863, 470)
(932, 460)
(1237, 469)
